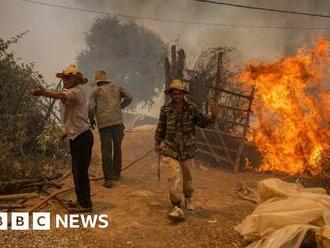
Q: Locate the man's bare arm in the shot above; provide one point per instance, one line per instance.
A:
(49, 94)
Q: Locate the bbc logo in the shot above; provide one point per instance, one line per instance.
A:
(42, 221)
(21, 221)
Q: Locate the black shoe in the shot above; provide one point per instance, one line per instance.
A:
(73, 204)
(108, 183)
(79, 209)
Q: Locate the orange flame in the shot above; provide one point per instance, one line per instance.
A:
(292, 110)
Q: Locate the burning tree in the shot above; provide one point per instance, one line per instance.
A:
(292, 117)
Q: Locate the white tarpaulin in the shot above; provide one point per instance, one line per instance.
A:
(285, 212)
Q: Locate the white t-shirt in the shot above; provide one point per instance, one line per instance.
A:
(75, 112)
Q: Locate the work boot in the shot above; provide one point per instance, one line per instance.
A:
(176, 214)
(188, 203)
(79, 209)
(108, 183)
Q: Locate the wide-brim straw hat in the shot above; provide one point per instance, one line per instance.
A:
(72, 70)
(101, 76)
(176, 84)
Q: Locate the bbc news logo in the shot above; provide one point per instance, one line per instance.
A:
(42, 221)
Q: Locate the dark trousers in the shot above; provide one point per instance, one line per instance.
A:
(111, 138)
(81, 153)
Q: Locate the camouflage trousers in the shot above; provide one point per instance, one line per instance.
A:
(174, 168)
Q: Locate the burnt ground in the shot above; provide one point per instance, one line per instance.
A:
(138, 205)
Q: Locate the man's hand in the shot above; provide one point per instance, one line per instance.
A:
(40, 91)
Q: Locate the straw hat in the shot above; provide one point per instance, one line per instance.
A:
(176, 84)
(101, 76)
(72, 70)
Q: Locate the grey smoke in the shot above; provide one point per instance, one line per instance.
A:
(56, 35)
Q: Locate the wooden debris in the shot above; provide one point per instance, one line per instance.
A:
(65, 175)
(20, 185)
(11, 205)
(43, 202)
(18, 196)
(44, 184)
(58, 200)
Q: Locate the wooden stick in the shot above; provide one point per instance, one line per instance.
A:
(43, 184)
(65, 175)
(55, 197)
(43, 202)
(18, 196)
(21, 181)
(241, 147)
(11, 205)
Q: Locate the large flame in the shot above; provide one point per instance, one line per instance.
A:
(292, 110)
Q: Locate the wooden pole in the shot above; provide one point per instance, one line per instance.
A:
(173, 63)
(180, 64)
(167, 75)
(219, 80)
(245, 129)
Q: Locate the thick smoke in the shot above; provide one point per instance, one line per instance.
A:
(56, 35)
(252, 43)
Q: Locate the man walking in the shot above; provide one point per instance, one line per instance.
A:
(77, 129)
(175, 141)
(105, 105)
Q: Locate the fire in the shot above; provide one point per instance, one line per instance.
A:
(292, 110)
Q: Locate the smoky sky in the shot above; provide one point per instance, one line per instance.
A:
(56, 35)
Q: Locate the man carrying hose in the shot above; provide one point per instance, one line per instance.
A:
(175, 142)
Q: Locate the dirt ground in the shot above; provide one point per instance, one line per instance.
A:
(137, 207)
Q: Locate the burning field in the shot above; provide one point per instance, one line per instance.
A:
(291, 106)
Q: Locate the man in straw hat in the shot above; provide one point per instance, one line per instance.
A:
(77, 129)
(175, 141)
(105, 105)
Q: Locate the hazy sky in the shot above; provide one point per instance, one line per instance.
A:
(56, 35)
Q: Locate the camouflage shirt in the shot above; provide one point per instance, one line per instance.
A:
(177, 130)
